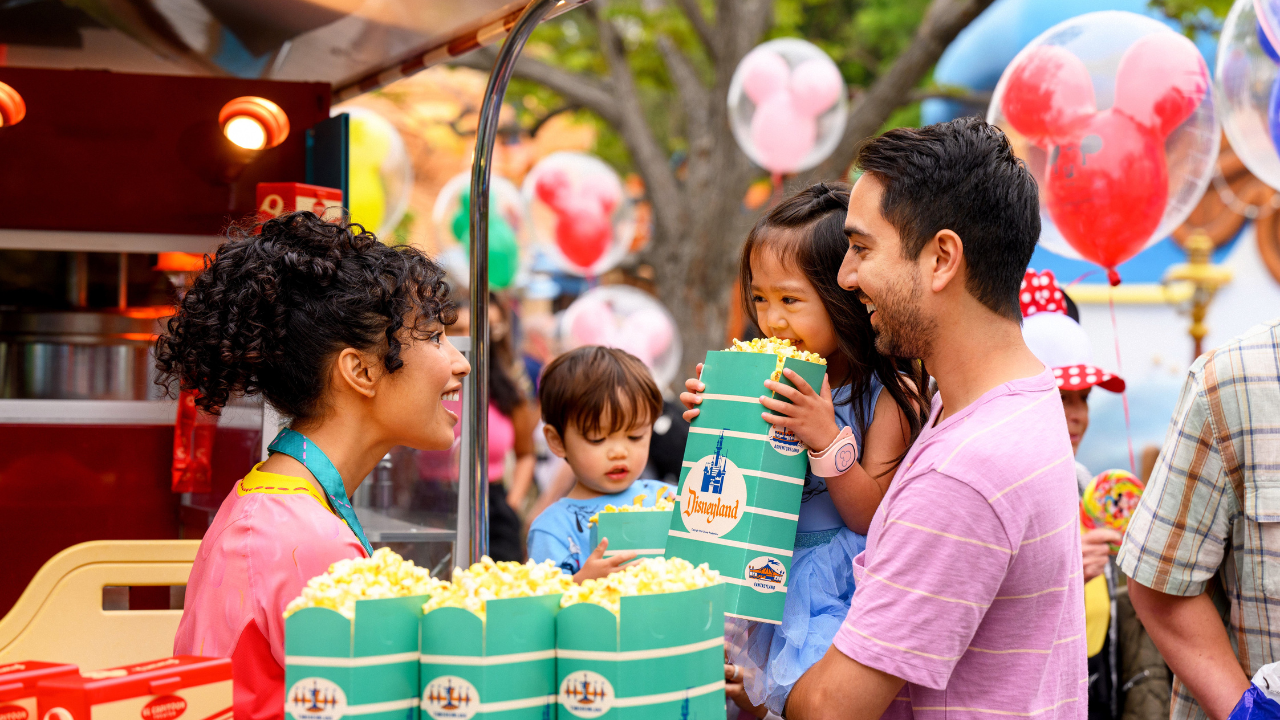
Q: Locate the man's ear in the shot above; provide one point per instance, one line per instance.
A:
(554, 442)
(945, 257)
(358, 371)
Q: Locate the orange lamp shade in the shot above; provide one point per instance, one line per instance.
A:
(179, 262)
(12, 107)
(254, 123)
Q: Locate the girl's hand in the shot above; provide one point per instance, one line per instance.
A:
(691, 399)
(812, 417)
(1095, 549)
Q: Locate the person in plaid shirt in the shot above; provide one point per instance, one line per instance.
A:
(1208, 526)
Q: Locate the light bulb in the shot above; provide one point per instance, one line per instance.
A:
(246, 132)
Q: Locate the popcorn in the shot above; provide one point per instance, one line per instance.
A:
(489, 580)
(665, 502)
(383, 575)
(780, 347)
(644, 577)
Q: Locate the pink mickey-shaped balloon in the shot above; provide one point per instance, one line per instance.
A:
(782, 134)
(647, 333)
(592, 325)
(816, 86)
(765, 74)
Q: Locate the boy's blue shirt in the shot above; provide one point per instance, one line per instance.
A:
(562, 534)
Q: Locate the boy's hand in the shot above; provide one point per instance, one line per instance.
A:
(691, 399)
(809, 415)
(597, 566)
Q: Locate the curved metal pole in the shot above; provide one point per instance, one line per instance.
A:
(481, 170)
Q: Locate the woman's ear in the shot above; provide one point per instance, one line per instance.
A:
(358, 371)
(555, 443)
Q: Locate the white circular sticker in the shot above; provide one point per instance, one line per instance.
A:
(450, 697)
(315, 698)
(714, 496)
(766, 574)
(785, 441)
(586, 694)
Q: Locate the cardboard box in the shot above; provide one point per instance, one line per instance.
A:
(367, 667)
(644, 532)
(280, 198)
(663, 657)
(18, 687)
(503, 667)
(739, 494)
(182, 687)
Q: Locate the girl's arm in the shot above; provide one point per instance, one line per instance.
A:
(858, 492)
(525, 420)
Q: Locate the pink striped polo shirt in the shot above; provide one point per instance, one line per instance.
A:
(970, 588)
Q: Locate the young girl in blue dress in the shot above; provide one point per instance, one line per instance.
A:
(788, 276)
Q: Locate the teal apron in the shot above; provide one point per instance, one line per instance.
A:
(298, 447)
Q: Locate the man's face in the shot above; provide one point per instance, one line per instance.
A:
(886, 282)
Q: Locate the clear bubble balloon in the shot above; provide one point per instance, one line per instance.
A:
(581, 212)
(380, 175)
(1112, 113)
(787, 105)
(1247, 81)
(510, 230)
(624, 317)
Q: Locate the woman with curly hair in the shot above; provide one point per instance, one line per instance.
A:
(345, 337)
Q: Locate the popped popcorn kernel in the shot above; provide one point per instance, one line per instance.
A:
(489, 580)
(381, 575)
(644, 577)
(664, 502)
(780, 347)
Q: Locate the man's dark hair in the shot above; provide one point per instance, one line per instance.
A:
(961, 176)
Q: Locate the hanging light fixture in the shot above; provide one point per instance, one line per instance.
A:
(12, 107)
(254, 123)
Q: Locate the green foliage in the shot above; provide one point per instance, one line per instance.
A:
(1196, 16)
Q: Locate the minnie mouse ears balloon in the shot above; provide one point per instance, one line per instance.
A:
(1247, 81)
(581, 212)
(1112, 113)
(787, 105)
(510, 229)
(623, 317)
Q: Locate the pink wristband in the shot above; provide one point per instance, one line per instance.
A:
(839, 456)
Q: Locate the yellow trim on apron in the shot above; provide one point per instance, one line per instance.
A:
(267, 483)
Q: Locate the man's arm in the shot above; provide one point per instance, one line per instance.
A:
(1193, 641)
(838, 686)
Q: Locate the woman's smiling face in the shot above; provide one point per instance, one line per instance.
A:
(413, 397)
(787, 305)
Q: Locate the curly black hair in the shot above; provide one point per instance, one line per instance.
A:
(273, 307)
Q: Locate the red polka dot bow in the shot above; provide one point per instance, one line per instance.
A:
(1040, 293)
(1080, 377)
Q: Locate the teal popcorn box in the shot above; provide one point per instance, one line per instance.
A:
(502, 668)
(740, 486)
(662, 657)
(643, 532)
(368, 667)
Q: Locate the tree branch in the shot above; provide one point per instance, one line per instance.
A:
(958, 94)
(693, 93)
(594, 94)
(701, 26)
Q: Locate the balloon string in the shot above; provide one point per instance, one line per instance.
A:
(1124, 394)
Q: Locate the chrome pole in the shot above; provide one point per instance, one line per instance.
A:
(477, 402)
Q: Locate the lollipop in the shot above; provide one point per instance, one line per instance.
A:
(1109, 500)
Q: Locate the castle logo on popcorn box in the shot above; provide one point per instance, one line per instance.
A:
(315, 698)
(450, 697)
(715, 496)
(586, 694)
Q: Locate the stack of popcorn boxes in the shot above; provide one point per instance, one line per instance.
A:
(637, 528)
(741, 484)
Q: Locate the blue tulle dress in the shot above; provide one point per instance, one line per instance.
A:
(819, 586)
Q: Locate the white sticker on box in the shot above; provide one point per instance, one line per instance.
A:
(785, 441)
(767, 574)
(450, 697)
(586, 694)
(714, 495)
(316, 698)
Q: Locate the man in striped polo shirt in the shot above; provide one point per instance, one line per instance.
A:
(968, 600)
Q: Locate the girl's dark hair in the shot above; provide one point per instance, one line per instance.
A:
(806, 231)
(504, 391)
(271, 309)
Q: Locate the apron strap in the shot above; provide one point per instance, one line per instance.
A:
(297, 446)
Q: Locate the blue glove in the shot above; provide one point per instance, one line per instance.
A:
(1255, 705)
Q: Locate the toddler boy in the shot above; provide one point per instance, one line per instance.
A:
(599, 405)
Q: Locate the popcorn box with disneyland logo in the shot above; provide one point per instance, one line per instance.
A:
(644, 532)
(739, 494)
(176, 688)
(368, 666)
(501, 667)
(18, 687)
(662, 656)
(285, 197)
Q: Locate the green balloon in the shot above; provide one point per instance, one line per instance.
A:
(504, 250)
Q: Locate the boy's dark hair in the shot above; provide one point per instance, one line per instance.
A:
(961, 176)
(271, 309)
(582, 386)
